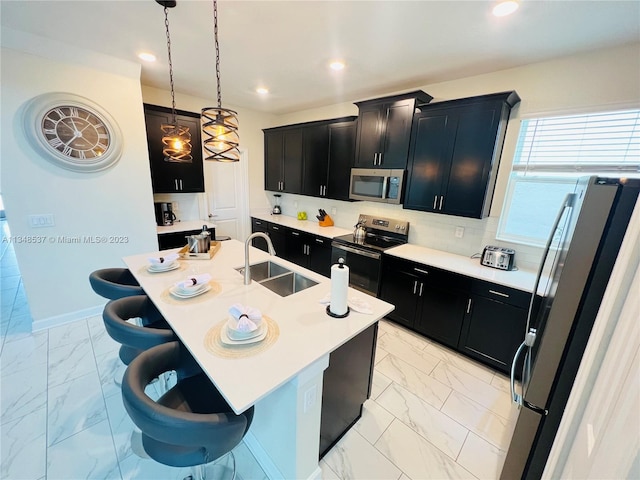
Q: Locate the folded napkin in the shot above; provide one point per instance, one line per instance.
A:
(166, 259)
(246, 319)
(194, 280)
(355, 303)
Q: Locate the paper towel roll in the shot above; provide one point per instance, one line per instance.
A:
(339, 286)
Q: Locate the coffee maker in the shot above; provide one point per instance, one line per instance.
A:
(164, 214)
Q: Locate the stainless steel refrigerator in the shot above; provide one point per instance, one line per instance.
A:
(592, 223)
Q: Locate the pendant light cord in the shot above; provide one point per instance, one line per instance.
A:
(215, 37)
(173, 96)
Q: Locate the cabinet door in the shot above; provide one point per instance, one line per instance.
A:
(429, 161)
(396, 133)
(316, 151)
(493, 331)
(368, 136)
(171, 177)
(471, 162)
(442, 313)
(320, 255)
(278, 238)
(259, 226)
(400, 288)
(292, 160)
(296, 248)
(342, 142)
(273, 160)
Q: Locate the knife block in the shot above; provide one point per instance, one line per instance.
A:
(327, 222)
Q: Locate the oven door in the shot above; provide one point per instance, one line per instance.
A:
(364, 267)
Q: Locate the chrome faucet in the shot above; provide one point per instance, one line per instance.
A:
(247, 270)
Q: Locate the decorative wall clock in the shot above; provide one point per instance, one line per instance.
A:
(72, 132)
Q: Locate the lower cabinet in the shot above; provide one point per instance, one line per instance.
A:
(304, 249)
(480, 319)
(428, 300)
(494, 323)
(346, 385)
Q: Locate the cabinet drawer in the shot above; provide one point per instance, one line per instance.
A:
(508, 295)
(431, 276)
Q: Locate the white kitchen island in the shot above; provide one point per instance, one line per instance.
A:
(284, 381)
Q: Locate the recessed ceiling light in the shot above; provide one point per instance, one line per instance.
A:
(262, 90)
(337, 65)
(505, 8)
(147, 57)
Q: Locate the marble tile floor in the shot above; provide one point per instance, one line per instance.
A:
(433, 414)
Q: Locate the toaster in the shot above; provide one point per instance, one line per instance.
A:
(498, 257)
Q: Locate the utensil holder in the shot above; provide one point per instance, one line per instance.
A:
(326, 222)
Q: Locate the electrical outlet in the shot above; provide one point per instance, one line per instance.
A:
(334, 210)
(459, 232)
(310, 398)
(44, 220)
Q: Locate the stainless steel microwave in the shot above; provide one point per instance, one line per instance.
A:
(376, 185)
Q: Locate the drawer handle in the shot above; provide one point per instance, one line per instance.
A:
(420, 271)
(258, 223)
(275, 228)
(295, 233)
(319, 241)
(499, 293)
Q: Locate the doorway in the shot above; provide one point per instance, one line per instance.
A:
(229, 198)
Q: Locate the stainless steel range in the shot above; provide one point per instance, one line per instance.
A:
(363, 253)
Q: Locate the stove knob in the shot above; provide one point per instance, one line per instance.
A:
(397, 227)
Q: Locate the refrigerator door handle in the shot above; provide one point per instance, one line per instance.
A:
(516, 397)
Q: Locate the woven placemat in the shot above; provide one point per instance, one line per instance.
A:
(214, 345)
(203, 297)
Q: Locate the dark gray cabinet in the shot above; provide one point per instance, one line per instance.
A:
(263, 227)
(480, 319)
(283, 160)
(313, 158)
(173, 177)
(495, 323)
(455, 153)
(428, 300)
(384, 130)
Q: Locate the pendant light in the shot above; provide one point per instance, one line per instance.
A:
(220, 125)
(176, 139)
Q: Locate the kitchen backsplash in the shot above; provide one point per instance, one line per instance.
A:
(426, 229)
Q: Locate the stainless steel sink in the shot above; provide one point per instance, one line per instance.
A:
(278, 279)
(288, 283)
(264, 270)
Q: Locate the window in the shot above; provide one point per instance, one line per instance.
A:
(551, 154)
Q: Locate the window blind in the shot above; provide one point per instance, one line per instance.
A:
(597, 142)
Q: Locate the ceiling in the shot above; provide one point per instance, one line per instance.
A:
(286, 45)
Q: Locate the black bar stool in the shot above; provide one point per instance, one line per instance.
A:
(191, 424)
(113, 283)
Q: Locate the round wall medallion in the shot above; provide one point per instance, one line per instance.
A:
(72, 132)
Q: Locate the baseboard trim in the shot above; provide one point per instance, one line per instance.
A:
(65, 318)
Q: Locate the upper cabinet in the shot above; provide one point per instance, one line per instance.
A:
(173, 177)
(455, 153)
(384, 130)
(312, 159)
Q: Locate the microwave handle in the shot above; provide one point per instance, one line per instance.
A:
(385, 187)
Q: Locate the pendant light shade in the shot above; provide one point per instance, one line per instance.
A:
(176, 139)
(220, 125)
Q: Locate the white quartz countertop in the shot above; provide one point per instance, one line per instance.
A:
(185, 226)
(307, 333)
(520, 279)
(309, 225)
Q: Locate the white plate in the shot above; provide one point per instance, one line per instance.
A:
(236, 335)
(160, 267)
(224, 336)
(175, 292)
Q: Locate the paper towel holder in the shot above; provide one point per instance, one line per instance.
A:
(331, 314)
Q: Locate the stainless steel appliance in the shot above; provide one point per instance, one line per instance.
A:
(498, 257)
(164, 214)
(376, 185)
(363, 253)
(593, 221)
(276, 208)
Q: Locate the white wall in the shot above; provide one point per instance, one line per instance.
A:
(603, 79)
(117, 201)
